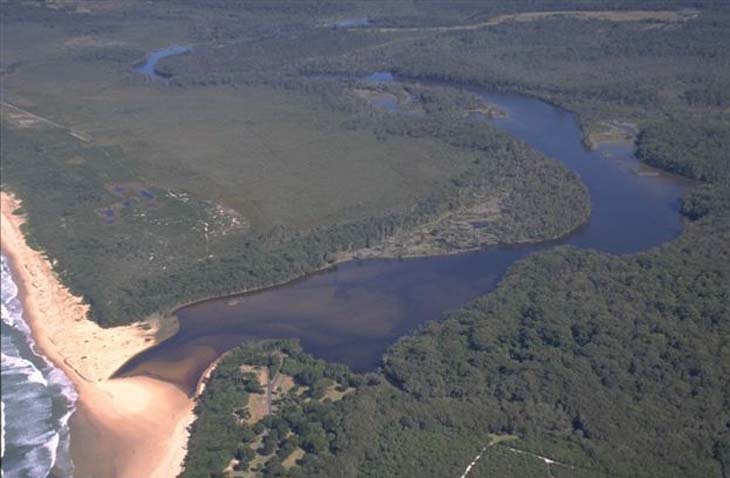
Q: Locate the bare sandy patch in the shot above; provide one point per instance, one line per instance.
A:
(282, 384)
(463, 229)
(611, 132)
(130, 427)
(20, 118)
(292, 459)
(334, 392)
(258, 403)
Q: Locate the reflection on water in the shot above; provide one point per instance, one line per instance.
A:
(353, 312)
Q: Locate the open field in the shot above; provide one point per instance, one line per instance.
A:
(275, 157)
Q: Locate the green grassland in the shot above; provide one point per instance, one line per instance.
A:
(274, 156)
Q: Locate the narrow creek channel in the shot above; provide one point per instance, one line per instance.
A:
(147, 66)
(354, 311)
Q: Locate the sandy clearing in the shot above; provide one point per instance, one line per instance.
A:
(258, 403)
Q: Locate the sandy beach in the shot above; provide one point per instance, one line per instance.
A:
(123, 428)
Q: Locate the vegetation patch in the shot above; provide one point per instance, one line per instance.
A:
(468, 227)
(695, 147)
(277, 442)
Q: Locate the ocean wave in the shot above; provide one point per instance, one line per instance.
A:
(19, 366)
(37, 398)
(2, 431)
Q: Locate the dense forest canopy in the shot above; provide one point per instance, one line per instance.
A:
(615, 366)
(694, 147)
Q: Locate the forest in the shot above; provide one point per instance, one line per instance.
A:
(606, 366)
(692, 147)
(609, 366)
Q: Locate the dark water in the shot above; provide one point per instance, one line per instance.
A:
(147, 67)
(353, 312)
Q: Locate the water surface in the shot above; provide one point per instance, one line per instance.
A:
(37, 398)
(351, 313)
(147, 67)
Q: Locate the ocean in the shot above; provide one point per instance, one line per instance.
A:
(37, 399)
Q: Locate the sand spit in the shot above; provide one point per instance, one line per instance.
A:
(129, 427)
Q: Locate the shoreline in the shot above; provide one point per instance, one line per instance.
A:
(369, 254)
(122, 427)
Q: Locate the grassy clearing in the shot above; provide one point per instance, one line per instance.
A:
(335, 392)
(275, 157)
(258, 403)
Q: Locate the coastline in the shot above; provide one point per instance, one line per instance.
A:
(122, 427)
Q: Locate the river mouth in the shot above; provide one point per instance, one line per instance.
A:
(353, 312)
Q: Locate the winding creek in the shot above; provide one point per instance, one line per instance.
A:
(353, 312)
(147, 66)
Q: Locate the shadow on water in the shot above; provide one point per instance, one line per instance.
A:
(352, 312)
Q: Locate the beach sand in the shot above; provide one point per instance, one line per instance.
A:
(132, 427)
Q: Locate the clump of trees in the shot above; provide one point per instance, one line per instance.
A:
(303, 419)
(695, 147)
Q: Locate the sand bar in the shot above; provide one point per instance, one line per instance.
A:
(129, 427)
